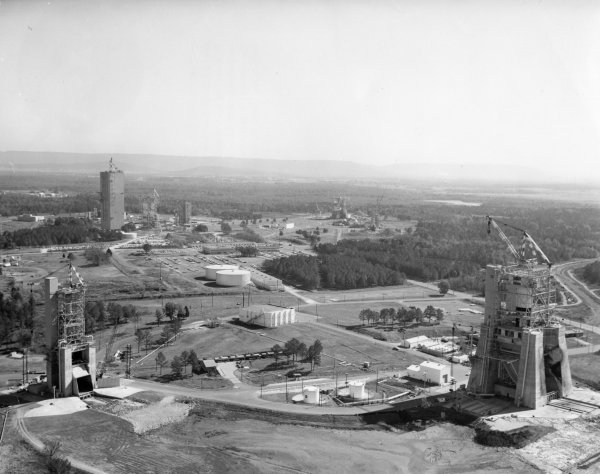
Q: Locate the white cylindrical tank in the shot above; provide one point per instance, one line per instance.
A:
(233, 277)
(357, 389)
(311, 394)
(210, 271)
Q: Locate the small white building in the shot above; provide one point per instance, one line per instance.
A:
(267, 316)
(289, 225)
(413, 342)
(30, 218)
(430, 372)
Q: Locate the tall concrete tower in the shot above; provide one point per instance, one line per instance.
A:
(522, 351)
(185, 212)
(112, 197)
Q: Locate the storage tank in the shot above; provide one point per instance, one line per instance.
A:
(357, 389)
(210, 271)
(233, 277)
(311, 394)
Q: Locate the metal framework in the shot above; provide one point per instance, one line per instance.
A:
(150, 210)
(71, 319)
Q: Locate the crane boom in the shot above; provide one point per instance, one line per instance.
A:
(505, 239)
(526, 242)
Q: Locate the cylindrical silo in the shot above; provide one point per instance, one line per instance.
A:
(210, 271)
(357, 389)
(233, 277)
(311, 394)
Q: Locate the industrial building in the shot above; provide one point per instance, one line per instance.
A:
(112, 197)
(522, 351)
(71, 363)
(185, 212)
(267, 316)
(430, 372)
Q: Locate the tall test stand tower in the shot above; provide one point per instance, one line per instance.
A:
(522, 351)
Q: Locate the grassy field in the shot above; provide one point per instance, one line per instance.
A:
(585, 369)
(11, 370)
(346, 313)
(339, 344)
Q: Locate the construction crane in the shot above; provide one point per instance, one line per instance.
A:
(73, 271)
(527, 243)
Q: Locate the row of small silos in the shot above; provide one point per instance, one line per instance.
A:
(227, 275)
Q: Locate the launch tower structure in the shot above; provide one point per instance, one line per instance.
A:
(522, 351)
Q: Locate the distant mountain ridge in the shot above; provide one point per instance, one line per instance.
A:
(206, 166)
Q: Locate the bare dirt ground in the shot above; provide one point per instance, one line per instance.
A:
(216, 442)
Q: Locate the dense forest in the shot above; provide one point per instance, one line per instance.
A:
(591, 272)
(441, 246)
(338, 270)
(63, 231)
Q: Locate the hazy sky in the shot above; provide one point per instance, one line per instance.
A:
(378, 82)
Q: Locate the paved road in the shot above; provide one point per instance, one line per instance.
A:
(564, 274)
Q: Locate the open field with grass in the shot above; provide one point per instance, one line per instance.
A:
(228, 339)
(456, 311)
(585, 369)
(11, 370)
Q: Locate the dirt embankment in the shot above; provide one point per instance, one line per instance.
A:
(516, 438)
(213, 409)
(415, 418)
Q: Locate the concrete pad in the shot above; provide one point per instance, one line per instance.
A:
(116, 392)
(57, 406)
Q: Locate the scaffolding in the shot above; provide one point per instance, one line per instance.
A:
(150, 210)
(71, 318)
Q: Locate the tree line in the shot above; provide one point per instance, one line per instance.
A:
(16, 318)
(62, 231)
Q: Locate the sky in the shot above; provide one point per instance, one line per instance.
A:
(371, 82)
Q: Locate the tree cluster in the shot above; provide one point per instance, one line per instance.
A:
(247, 250)
(16, 318)
(294, 349)
(200, 228)
(249, 235)
(98, 315)
(591, 272)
